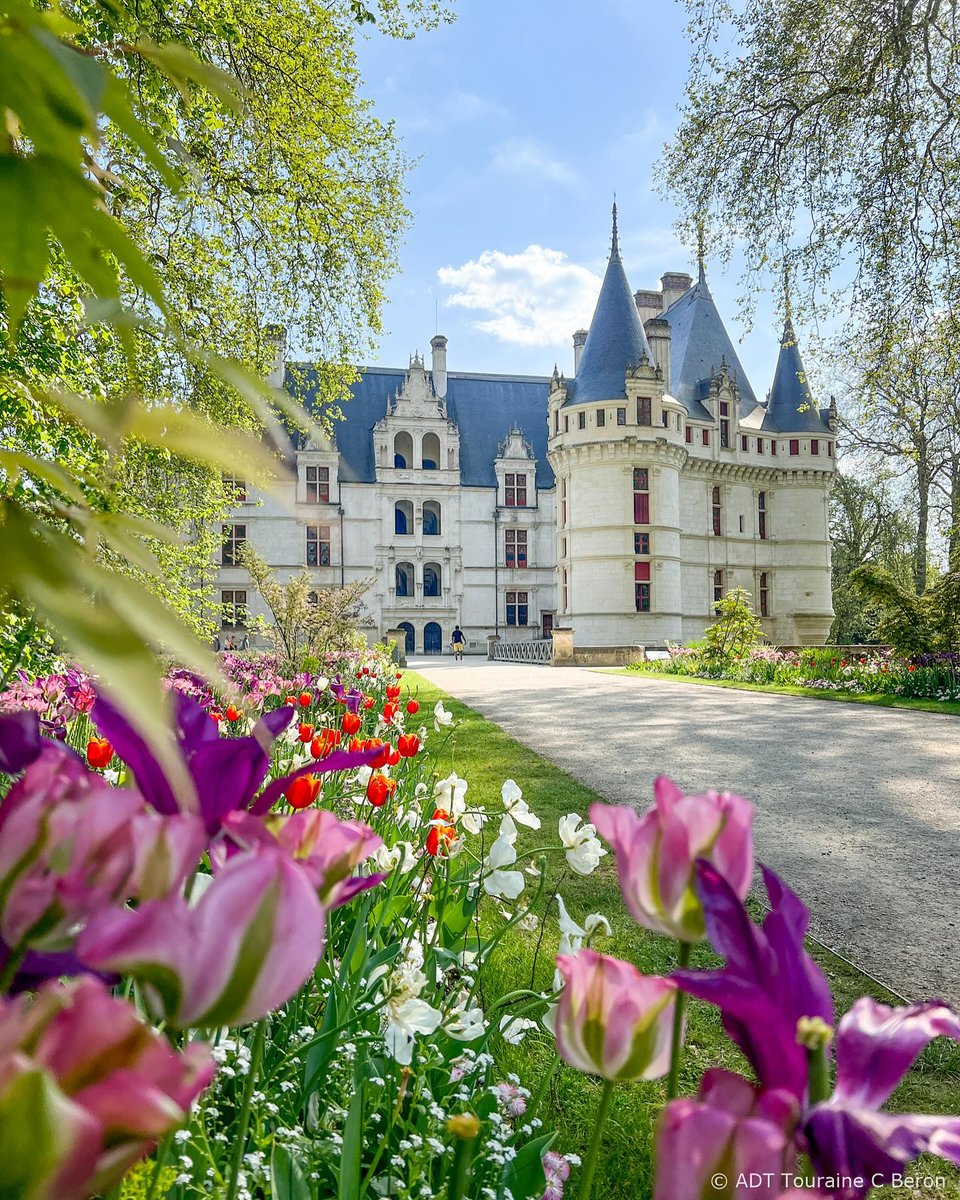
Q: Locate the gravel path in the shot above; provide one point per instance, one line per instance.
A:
(857, 807)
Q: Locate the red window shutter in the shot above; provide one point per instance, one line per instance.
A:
(641, 572)
(641, 508)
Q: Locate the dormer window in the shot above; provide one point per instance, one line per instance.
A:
(515, 491)
(644, 410)
(725, 424)
(318, 485)
(403, 451)
(430, 452)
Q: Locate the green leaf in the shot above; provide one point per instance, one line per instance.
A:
(24, 248)
(524, 1175)
(188, 435)
(349, 1184)
(286, 1178)
(181, 66)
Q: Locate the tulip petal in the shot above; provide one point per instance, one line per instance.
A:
(133, 749)
(20, 740)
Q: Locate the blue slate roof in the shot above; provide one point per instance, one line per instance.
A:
(698, 345)
(616, 340)
(484, 407)
(790, 403)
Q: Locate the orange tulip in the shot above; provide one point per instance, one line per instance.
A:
(303, 791)
(351, 723)
(99, 752)
(379, 788)
(408, 744)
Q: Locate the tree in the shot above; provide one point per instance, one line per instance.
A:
(826, 135)
(736, 630)
(306, 618)
(913, 624)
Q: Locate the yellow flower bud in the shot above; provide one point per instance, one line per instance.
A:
(464, 1125)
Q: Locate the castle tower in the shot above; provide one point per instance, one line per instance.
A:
(616, 445)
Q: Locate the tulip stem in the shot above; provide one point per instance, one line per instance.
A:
(12, 966)
(256, 1054)
(676, 1043)
(590, 1165)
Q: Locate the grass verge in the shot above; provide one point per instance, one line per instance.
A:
(483, 754)
(877, 699)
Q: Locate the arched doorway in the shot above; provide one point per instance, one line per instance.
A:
(411, 638)
(432, 638)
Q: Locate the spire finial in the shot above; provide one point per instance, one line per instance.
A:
(701, 251)
(615, 242)
(787, 300)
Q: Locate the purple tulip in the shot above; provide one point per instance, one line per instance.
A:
(733, 1132)
(20, 740)
(351, 698)
(656, 853)
(248, 945)
(769, 982)
(88, 1087)
(612, 1021)
(226, 772)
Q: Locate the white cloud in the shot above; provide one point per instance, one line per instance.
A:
(528, 157)
(534, 298)
(457, 108)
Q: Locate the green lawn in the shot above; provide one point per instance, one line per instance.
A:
(882, 700)
(483, 754)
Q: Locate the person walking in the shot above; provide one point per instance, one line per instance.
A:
(459, 641)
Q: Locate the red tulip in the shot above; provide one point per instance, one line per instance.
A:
(303, 791)
(413, 707)
(351, 723)
(368, 702)
(393, 757)
(408, 744)
(305, 733)
(215, 716)
(393, 691)
(379, 788)
(324, 742)
(441, 835)
(233, 713)
(99, 752)
(306, 699)
(291, 700)
(389, 711)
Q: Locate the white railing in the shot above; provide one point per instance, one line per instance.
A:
(539, 651)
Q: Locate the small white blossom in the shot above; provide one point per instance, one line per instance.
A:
(517, 807)
(581, 843)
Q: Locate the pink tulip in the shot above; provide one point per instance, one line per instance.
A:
(247, 946)
(656, 853)
(612, 1021)
(328, 850)
(732, 1143)
(88, 1087)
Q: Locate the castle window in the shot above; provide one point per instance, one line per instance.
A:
(234, 538)
(563, 502)
(688, 435)
(237, 486)
(706, 437)
(641, 586)
(717, 507)
(773, 448)
(759, 445)
(581, 420)
(744, 442)
(515, 547)
(318, 545)
(318, 485)
(403, 518)
(403, 450)
(556, 421)
(644, 413)
(762, 515)
(566, 591)
(431, 579)
(517, 608)
(666, 420)
(741, 522)
(764, 594)
(717, 587)
(794, 445)
(641, 496)
(430, 452)
(404, 579)
(431, 518)
(515, 490)
(621, 416)
(233, 610)
(725, 424)
(566, 424)
(601, 417)
(641, 543)
(814, 446)
(829, 449)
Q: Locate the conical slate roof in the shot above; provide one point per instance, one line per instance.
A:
(699, 345)
(791, 403)
(616, 340)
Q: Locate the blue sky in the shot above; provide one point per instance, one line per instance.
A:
(525, 117)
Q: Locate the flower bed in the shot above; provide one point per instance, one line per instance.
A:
(925, 677)
(306, 905)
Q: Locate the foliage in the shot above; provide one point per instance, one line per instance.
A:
(736, 630)
(306, 619)
(913, 624)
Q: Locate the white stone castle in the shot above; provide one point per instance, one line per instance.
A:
(620, 503)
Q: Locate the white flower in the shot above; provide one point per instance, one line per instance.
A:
(506, 884)
(449, 792)
(514, 1029)
(597, 925)
(465, 1024)
(571, 934)
(508, 831)
(441, 718)
(401, 856)
(406, 1017)
(321, 683)
(581, 843)
(528, 922)
(517, 807)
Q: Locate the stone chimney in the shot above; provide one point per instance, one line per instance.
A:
(649, 305)
(275, 340)
(658, 335)
(579, 341)
(674, 285)
(438, 345)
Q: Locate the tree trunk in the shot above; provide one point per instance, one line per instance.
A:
(923, 520)
(954, 543)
